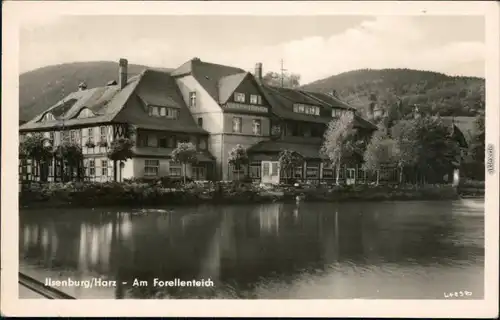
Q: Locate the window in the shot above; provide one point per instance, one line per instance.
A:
(265, 169)
(154, 111)
(151, 167)
(152, 140)
(256, 127)
(85, 113)
(297, 172)
(274, 169)
(239, 97)
(48, 117)
(103, 134)
(65, 136)
(192, 99)
(170, 113)
(175, 169)
(255, 99)
(236, 124)
(255, 170)
(301, 108)
(51, 136)
(91, 134)
(73, 136)
(163, 142)
(202, 143)
(312, 172)
(92, 167)
(238, 171)
(200, 122)
(104, 167)
(337, 113)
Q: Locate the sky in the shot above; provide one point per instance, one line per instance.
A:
(313, 46)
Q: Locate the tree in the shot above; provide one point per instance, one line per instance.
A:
(120, 150)
(290, 80)
(184, 154)
(379, 152)
(238, 157)
(37, 148)
(341, 141)
(289, 159)
(426, 145)
(71, 154)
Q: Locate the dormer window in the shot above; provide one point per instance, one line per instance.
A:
(337, 113)
(192, 99)
(48, 117)
(255, 99)
(306, 109)
(239, 97)
(85, 113)
(164, 112)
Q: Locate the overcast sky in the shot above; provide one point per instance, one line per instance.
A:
(314, 47)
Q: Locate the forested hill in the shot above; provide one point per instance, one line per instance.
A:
(41, 88)
(433, 92)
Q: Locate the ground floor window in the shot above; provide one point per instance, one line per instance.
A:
(151, 167)
(199, 173)
(91, 167)
(175, 169)
(312, 171)
(255, 170)
(298, 172)
(104, 167)
(238, 171)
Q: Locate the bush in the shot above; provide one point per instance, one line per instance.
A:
(144, 192)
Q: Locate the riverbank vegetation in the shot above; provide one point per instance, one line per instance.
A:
(168, 192)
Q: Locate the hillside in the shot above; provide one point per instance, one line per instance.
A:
(41, 88)
(432, 92)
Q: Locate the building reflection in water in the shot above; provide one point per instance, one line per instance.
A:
(85, 246)
(269, 217)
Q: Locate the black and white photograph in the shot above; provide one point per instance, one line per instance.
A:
(215, 156)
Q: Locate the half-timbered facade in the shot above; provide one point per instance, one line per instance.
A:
(150, 104)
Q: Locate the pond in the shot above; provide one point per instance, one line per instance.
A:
(378, 250)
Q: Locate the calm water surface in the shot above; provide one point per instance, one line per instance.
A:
(392, 250)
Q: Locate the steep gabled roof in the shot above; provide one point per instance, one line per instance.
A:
(467, 126)
(104, 102)
(328, 99)
(207, 74)
(228, 84)
(160, 89)
(282, 106)
(110, 104)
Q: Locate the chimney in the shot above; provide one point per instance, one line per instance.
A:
(258, 71)
(122, 77)
(333, 93)
(82, 86)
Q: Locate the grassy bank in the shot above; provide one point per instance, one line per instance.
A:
(139, 194)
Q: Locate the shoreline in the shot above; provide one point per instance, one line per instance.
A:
(92, 195)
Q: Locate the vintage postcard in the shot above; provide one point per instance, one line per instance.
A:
(250, 159)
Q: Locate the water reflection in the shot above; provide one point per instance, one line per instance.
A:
(412, 250)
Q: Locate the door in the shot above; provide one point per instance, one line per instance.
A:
(270, 172)
(199, 173)
(351, 176)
